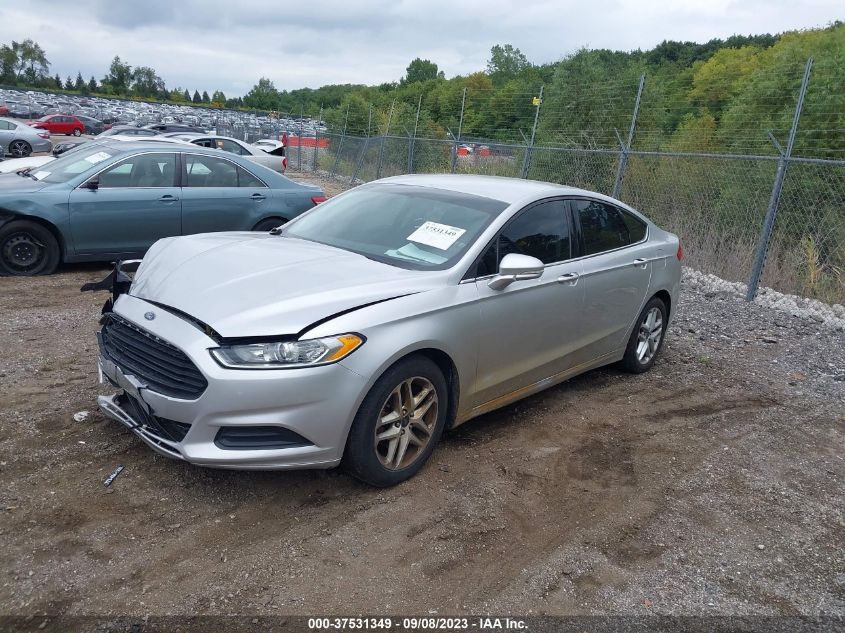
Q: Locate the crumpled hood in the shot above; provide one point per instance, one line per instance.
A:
(256, 284)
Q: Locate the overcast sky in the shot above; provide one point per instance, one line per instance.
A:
(229, 44)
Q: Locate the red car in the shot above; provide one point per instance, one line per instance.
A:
(60, 124)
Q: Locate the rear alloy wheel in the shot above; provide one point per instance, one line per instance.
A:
(647, 338)
(399, 423)
(27, 248)
(77, 131)
(20, 149)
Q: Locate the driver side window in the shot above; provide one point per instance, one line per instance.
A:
(541, 231)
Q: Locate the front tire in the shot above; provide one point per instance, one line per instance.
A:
(27, 248)
(398, 424)
(20, 149)
(646, 340)
(77, 131)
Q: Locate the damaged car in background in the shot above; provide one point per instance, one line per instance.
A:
(362, 329)
(112, 199)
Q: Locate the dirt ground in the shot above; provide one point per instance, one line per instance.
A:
(711, 485)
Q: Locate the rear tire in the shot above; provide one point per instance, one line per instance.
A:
(268, 224)
(77, 131)
(647, 338)
(27, 249)
(398, 424)
(20, 149)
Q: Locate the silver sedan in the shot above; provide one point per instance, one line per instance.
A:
(20, 140)
(361, 330)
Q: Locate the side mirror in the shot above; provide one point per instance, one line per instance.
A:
(93, 184)
(515, 267)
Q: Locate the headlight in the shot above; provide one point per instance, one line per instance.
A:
(287, 354)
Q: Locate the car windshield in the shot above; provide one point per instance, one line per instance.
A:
(406, 226)
(74, 163)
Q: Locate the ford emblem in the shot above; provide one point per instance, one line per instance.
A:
(149, 316)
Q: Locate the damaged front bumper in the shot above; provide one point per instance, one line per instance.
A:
(308, 411)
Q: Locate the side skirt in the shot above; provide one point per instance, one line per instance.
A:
(545, 383)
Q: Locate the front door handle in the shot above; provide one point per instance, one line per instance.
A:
(169, 198)
(570, 278)
(640, 261)
(257, 196)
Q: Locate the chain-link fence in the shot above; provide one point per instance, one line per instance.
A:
(759, 214)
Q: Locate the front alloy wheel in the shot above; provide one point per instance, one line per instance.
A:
(398, 424)
(406, 423)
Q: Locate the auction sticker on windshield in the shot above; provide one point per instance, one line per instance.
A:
(40, 174)
(97, 158)
(440, 236)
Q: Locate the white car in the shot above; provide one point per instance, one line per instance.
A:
(16, 164)
(234, 146)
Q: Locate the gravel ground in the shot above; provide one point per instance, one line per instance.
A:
(710, 485)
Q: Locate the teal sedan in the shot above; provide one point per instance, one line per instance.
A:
(113, 200)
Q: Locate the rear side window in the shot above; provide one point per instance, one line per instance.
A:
(605, 228)
(541, 231)
(210, 171)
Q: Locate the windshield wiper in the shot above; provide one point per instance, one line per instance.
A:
(26, 172)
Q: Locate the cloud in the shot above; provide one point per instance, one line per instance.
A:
(216, 44)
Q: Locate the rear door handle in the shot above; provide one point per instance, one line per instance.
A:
(257, 196)
(570, 278)
(169, 198)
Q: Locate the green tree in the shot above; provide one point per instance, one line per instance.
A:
(218, 98)
(9, 64)
(506, 62)
(197, 98)
(420, 70)
(205, 97)
(146, 83)
(92, 84)
(58, 81)
(118, 77)
(69, 83)
(262, 96)
(186, 96)
(32, 64)
(79, 84)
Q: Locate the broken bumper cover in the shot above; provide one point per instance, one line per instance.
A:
(314, 404)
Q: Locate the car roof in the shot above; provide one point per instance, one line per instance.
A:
(508, 190)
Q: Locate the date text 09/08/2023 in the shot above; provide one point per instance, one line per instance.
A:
(432, 623)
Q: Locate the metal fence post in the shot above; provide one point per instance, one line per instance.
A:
(299, 154)
(383, 139)
(526, 162)
(460, 129)
(342, 138)
(317, 136)
(364, 148)
(772, 210)
(413, 141)
(623, 155)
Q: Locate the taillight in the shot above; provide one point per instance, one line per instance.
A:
(680, 253)
(284, 139)
(44, 134)
(284, 163)
(318, 199)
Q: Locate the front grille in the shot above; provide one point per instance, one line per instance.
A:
(257, 437)
(161, 427)
(163, 367)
